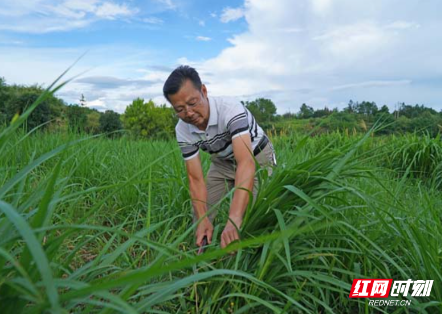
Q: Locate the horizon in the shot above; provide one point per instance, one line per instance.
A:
(317, 52)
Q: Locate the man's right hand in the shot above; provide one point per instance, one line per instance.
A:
(205, 228)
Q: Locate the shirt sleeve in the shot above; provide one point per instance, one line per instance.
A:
(237, 121)
(188, 150)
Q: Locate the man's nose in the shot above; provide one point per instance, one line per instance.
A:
(189, 113)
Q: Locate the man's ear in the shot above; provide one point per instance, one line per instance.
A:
(204, 90)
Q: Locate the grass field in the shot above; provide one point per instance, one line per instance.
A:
(93, 225)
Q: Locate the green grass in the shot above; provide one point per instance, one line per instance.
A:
(93, 225)
(418, 157)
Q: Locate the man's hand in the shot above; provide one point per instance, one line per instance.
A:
(205, 228)
(230, 233)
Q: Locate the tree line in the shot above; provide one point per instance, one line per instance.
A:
(141, 119)
(356, 116)
(144, 119)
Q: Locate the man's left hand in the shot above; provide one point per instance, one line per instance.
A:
(230, 232)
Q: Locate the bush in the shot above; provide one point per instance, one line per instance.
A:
(110, 123)
(18, 105)
(418, 157)
(341, 121)
(145, 120)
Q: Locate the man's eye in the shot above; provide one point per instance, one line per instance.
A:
(179, 110)
(192, 105)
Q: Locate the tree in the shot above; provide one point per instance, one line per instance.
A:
(77, 117)
(305, 112)
(3, 118)
(350, 107)
(93, 122)
(387, 119)
(15, 99)
(4, 95)
(322, 113)
(264, 110)
(110, 122)
(342, 121)
(288, 116)
(414, 111)
(366, 108)
(144, 119)
(426, 122)
(21, 102)
(384, 110)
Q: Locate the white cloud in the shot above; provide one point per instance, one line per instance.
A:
(307, 50)
(314, 51)
(288, 30)
(372, 84)
(352, 42)
(168, 3)
(43, 16)
(81, 5)
(153, 20)
(403, 25)
(321, 7)
(111, 11)
(231, 14)
(99, 104)
(112, 76)
(203, 38)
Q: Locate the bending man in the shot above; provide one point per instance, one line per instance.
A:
(226, 130)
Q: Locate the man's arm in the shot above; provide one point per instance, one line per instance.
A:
(198, 194)
(244, 179)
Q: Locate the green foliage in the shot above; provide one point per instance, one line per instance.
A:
(288, 116)
(93, 122)
(384, 110)
(4, 96)
(427, 122)
(110, 122)
(359, 117)
(320, 113)
(350, 107)
(366, 108)
(3, 101)
(77, 117)
(423, 123)
(305, 112)
(157, 122)
(341, 121)
(387, 120)
(76, 238)
(414, 111)
(3, 118)
(264, 110)
(145, 120)
(21, 102)
(15, 99)
(418, 156)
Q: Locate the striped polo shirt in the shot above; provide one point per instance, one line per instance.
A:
(227, 120)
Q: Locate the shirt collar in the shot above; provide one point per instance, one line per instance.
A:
(213, 118)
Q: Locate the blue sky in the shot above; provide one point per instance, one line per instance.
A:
(319, 52)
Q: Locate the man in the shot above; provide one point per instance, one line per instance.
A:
(227, 131)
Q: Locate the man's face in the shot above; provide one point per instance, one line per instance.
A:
(191, 105)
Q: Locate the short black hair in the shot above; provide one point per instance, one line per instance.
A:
(177, 78)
